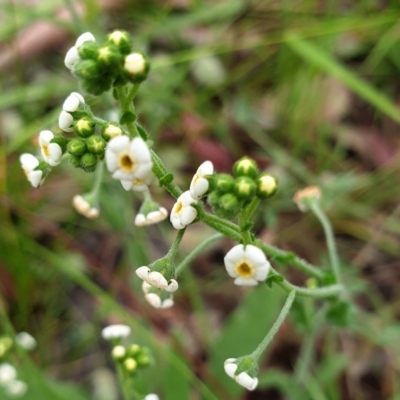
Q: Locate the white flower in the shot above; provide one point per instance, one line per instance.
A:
(154, 299)
(16, 388)
(26, 340)
(243, 378)
(127, 159)
(151, 396)
(72, 56)
(183, 213)
(66, 121)
(152, 217)
(156, 279)
(28, 163)
(247, 264)
(115, 332)
(84, 207)
(51, 152)
(72, 102)
(7, 373)
(199, 184)
(135, 63)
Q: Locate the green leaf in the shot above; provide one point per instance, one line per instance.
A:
(127, 117)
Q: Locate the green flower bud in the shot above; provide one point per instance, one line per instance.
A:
(88, 162)
(61, 141)
(96, 145)
(229, 202)
(110, 131)
(97, 85)
(134, 350)
(130, 364)
(5, 344)
(245, 188)
(108, 57)
(89, 50)
(118, 353)
(136, 67)
(86, 69)
(245, 167)
(224, 183)
(267, 185)
(84, 127)
(75, 160)
(76, 147)
(122, 40)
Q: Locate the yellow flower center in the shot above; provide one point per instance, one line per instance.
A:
(126, 163)
(244, 269)
(45, 149)
(179, 207)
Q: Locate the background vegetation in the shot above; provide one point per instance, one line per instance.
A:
(310, 89)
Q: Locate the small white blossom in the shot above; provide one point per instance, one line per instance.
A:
(183, 213)
(151, 396)
(247, 264)
(7, 373)
(51, 152)
(135, 63)
(115, 332)
(66, 121)
(26, 340)
(16, 388)
(72, 56)
(72, 102)
(243, 378)
(127, 159)
(28, 163)
(154, 299)
(199, 184)
(152, 217)
(156, 279)
(84, 207)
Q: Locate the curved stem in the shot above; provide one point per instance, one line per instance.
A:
(217, 224)
(175, 245)
(275, 327)
(330, 240)
(197, 250)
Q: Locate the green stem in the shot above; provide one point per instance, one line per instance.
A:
(197, 250)
(330, 240)
(245, 232)
(291, 258)
(98, 180)
(275, 327)
(248, 213)
(175, 245)
(123, 383)
(219, 225)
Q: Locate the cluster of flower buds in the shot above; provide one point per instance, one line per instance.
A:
(156, 297)
(243, 370)
(131, 358)
(110, 64)
(230, 194)
(9, 383)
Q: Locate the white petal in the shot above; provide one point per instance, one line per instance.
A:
(157, 279)
(173, 286)
(72, 57)
(246, 381)
(230, 368)
(188, 215)
(65, 121)
(167, 303)
(85, 37)
(151, 396)
(35, 178)
(255, 255)
(28, 161)
(45, 137)
(235, 254)
(199, 188)
(16, 388)
(176, 223)
(140, 220)
(139, 187)
(79, 96)
(127, 185)
(245, 281)
(55, 152)
(7, 373)
(143, 272)
(205, 169)
(146, 287)
(92, 213)
(71, 103)
(112, 162)
(115, 331)
(26, 340)
(118, 144)
(153, 299)
(261, 273)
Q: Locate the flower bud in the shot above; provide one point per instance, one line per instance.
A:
(245, 187)
(75, 160)
(224, 183)
(89, 50)
(61, 141)
(86, 69)
(134, 350)
(304, 196)
(84, 127)
(122, 40)
(229, 202)
(96, 145)
(76, 147)
(118, 353)
(108, 57)
(130, 364)
(136, 67)
(245, 167)
(88, 162)
(110, 131)
(267, 185)
(143, 358)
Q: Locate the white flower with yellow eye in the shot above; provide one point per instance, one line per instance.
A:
(243, 378)
(247, 264)
(117, 331)
(127, 159)
(200, 184)
(28, 163)
(182, 213)
(51, 152)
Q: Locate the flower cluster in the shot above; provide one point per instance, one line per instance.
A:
(132, 357)
(9, 382)
(110, 64)
(247, 264)
(242, 371)
(182, 213)
(156, 297)
(230, 194)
